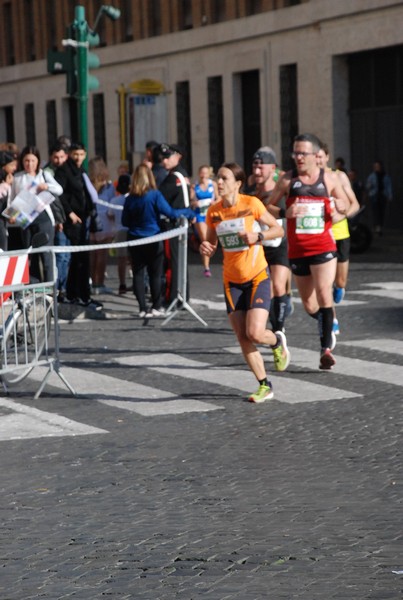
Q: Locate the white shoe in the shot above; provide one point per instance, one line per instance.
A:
(142, 314)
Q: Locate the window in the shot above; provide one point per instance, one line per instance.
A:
(50, 15)
(375, 78)
(154, 18)
(99, 125)
(8, 34)
(126, 21)
(29, 23)
(183, 122)
(288, 112)
(51, 122)
(215, 121)
(186, 15)
(218, 13)
(253, 7)
(7, 124)
(30, 124)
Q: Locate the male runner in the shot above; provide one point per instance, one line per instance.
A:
(341, 232)
(311, 245)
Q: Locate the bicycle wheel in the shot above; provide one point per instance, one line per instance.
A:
(26, 336)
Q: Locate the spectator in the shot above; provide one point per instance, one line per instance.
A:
(78, 200)
(58, 155)
(123, 169)
(32, 178)
(379, 189)
(357, 186)
(204, 193)
(141, 214)
(99, 176)
(148, 156)
(8, 165)
(122, 189)
(175, 188)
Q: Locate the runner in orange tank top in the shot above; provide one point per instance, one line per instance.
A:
(235, 222)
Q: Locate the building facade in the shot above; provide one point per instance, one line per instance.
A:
(220, 77)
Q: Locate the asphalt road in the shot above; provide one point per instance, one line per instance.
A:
(159, 481)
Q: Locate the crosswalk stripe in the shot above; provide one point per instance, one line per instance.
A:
(346, 301)
(26, 422)
(355, 367)
(128, 395)
(286, 389)
(386, 285)
(389, 346)
(391, 294)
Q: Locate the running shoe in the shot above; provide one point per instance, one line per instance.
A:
(142, 314)
(336, 328)
(281, 354)
(338, 294)
(327, 360)
(264, 392)
(207, 273)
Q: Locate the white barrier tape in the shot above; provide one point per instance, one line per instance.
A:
(108, 204)
(88, 247)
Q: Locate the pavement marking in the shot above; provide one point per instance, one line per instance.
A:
(389, 294)
(386, 285)
(390, 346)
(286, 389)
(131, 396)
(210, 304)
(392, 290)
(26, 422)
(354, 367)
(345, 302)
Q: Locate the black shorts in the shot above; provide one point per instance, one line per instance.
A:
(252, 294)
(277, 256)
(343, 250)
(302, 266)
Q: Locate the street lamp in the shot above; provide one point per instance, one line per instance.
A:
(110, 11)
(77, 60)
(87, 37)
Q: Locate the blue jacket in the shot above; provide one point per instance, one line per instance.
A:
(141, 214)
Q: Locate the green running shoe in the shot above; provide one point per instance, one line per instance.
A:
(264, 392)
(281, 354)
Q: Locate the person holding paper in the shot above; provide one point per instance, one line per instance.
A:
(31, 178)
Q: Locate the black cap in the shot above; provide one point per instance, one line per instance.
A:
(6, 158)
(167, 150)
(265, 157)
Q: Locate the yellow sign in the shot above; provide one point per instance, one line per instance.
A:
(147, 87)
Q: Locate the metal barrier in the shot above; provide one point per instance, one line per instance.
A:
(27, 312)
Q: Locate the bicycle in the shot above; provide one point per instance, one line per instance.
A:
(25, 333)
(25, 314)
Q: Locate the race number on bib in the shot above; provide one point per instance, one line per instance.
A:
(313, 218)
(227, 232)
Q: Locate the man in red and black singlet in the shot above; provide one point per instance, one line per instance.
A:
(311, 231)
(313, 197)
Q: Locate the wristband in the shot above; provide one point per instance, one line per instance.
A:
(281, 214)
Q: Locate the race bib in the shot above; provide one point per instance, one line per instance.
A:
(203, 205)
(227, 233)
(313, 219)
(275, 243)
